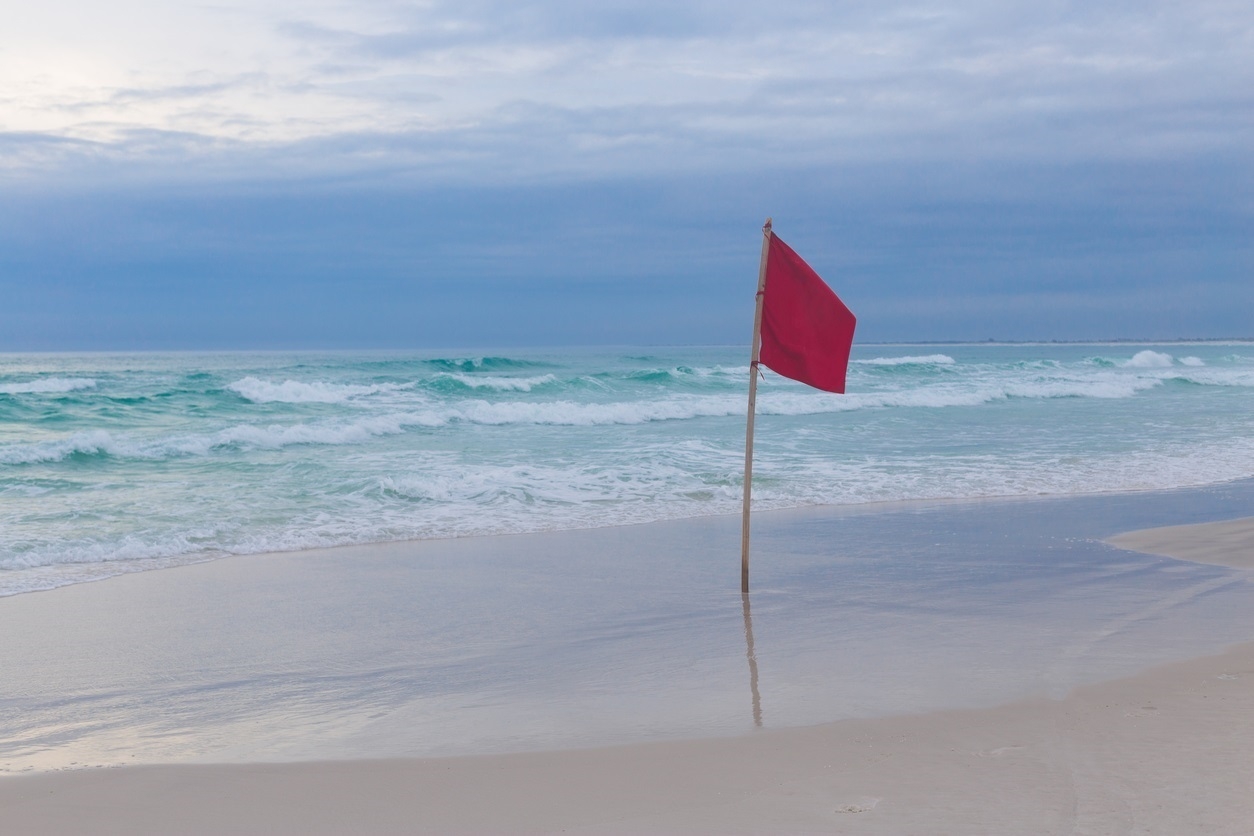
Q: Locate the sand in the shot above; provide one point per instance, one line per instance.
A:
(1169, 750)
(1228, 543)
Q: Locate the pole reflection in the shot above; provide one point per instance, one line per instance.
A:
(753, 661)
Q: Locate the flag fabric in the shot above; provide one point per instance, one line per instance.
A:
(807, 331)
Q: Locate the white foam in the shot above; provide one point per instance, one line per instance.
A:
(1098, 386)
(500, 384)
(279, 435)
(1212, 376)
(489, 485)
(569, 413)
(1149, 360)
(839, 482)
(449, 497)
(133, 547)
(700, 371)
(781, 398)
(787, 399)
(272, 436)
(394, 464)
(295, 391)
(47, 385)
(91, 442)
(721, 371)
(924, 360)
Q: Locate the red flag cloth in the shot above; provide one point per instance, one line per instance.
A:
(806, 330)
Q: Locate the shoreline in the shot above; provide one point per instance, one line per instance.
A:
(1169, 749)
(1126, 540)
(1226, 543)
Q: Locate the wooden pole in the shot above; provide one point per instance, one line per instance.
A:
(753, 398)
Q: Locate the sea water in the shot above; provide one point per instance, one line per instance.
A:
(112, 463)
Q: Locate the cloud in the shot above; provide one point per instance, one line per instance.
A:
(263, 173)
(920, 252)
(568, 89)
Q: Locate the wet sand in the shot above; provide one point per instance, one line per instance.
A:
(1169, 750)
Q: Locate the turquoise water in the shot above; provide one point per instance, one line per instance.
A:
(112, 463)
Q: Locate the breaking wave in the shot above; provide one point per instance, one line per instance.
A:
(482, 364)
(925, 360)
(781, 402)
(1149, 360)
(47, 385)
(493, 382)
(295, 391)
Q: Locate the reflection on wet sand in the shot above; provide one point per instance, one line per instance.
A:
(753, 661)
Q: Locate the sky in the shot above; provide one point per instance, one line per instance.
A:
(381, 174)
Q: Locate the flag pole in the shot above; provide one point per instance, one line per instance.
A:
(753, 397)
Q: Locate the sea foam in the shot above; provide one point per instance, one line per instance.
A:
(295, 391)
(194, 456)
(89, 443)
(925, 360)
(47, 385)
(1149, 360)
(500, 384)
(786, 400)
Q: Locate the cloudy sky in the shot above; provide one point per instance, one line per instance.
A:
(481, 173)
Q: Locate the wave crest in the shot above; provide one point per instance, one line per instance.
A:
(781, 402)
(495, 382)
(47, 385)
(1148, 360)
(923, 360)
(295, 391)
(481, 364)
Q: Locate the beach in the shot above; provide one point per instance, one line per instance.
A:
(1168, 751)
(397, 437)
(1059, 743)
(995, 588)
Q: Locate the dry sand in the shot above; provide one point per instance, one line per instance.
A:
(1229, 543)
(1168, 751)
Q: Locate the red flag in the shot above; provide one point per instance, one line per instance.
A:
(806, 330)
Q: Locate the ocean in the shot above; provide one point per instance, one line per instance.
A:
(114, 463)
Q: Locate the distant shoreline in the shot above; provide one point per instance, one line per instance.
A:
(1110, 341)
(606, 346)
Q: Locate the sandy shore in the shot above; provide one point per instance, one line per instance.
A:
(1228, 543)
(1169, 751)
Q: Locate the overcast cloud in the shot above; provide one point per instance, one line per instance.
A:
(1051, 162)
(526, 89)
